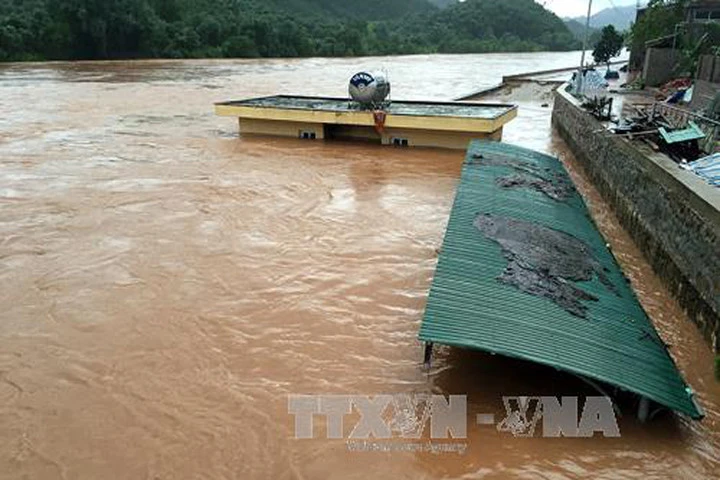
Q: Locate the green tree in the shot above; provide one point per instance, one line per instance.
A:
(609, 46)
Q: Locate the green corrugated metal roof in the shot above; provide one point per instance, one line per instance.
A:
(489, 297)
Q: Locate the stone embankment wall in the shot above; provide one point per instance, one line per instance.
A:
(671, 214)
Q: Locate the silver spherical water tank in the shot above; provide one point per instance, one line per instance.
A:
(369, 88)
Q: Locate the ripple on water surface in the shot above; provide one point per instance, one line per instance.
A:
(166, 284)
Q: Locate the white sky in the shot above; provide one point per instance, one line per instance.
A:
(578, 8)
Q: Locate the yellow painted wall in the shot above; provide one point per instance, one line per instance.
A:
(352, 132)
(432, 138)
(281, 129)
(365, 118)
(415, 137)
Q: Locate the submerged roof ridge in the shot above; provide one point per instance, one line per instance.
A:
(524, 272)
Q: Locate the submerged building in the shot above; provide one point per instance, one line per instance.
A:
(525, 273)
(408, 124)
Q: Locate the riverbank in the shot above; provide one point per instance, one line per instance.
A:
(671, 214)
(686, 261)
(554, 77)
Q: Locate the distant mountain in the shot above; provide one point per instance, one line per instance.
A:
(578, 30)
(621, 18)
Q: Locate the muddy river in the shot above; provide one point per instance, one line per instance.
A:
(166, 285)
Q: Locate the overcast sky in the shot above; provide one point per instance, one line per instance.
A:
(578, 8)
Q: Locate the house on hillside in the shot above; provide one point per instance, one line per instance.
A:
(699, 20)
(658, 58)
(703, 11)
(637, 52)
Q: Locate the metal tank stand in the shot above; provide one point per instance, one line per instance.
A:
(428, 355)
(644, 410)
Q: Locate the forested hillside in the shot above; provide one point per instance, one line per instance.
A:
(578, 29)
(497, 25)
(356, 10)
(107, 29)
(443, 3)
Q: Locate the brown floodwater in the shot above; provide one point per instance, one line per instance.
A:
(166, 284)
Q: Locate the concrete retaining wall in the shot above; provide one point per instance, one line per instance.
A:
(709, 69)
(671, 214)
(703, 95)
(659, 66)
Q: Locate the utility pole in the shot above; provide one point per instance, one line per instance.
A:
(585, 44)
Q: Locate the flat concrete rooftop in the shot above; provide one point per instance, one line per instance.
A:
(411, 124)
(411, 108)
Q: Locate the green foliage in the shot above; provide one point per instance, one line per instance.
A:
(599, 107)
(659, 21)
(609, 46)
(355, 10)
(108, 29)
(690, 55)
(477, 26)
(666, 19)
(717, 368)
(443, 3)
